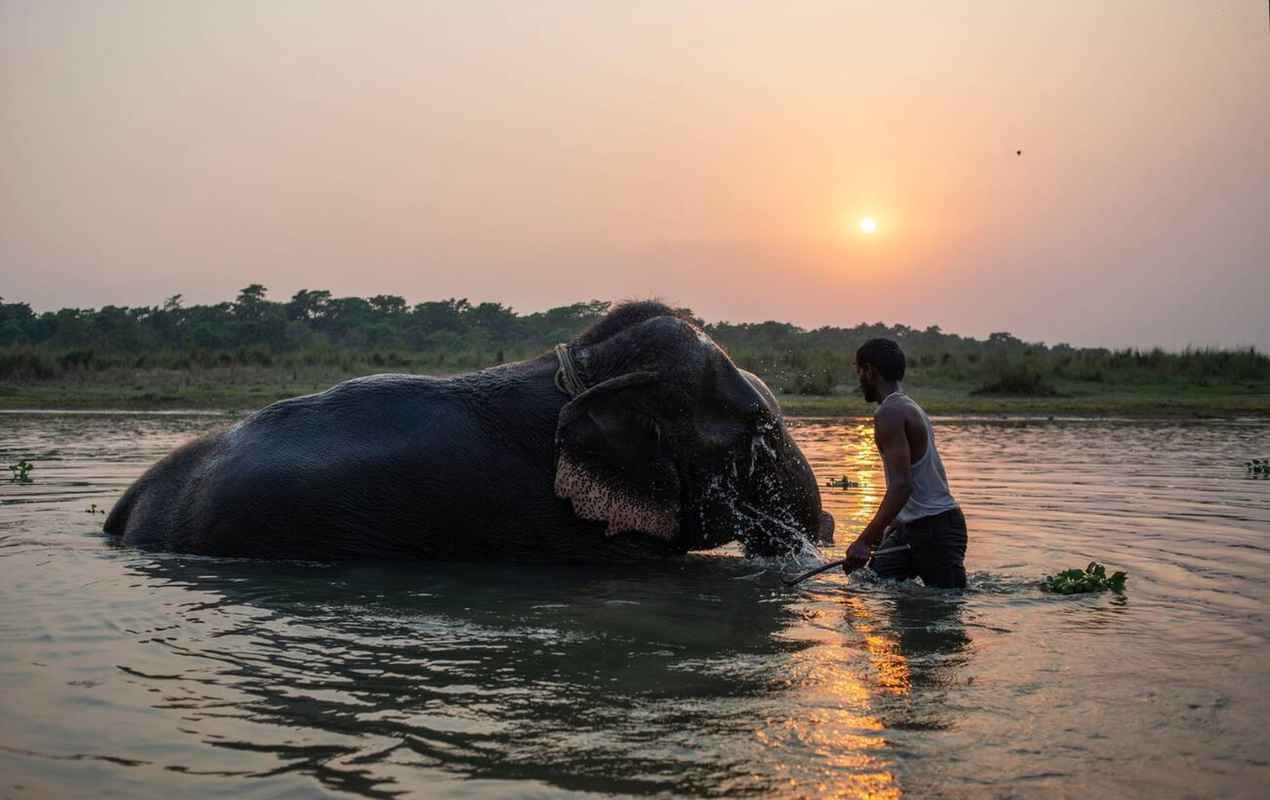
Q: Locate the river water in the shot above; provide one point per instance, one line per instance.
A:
(143, 675)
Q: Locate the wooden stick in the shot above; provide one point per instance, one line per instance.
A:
(839, 563)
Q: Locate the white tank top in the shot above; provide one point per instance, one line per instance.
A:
(930, 483)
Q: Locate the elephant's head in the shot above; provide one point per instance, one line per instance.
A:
(667, 437)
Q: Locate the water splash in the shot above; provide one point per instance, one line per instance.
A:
(806, 551)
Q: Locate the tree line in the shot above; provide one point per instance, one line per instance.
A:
(314, 327)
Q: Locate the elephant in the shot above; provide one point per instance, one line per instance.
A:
(639, 438)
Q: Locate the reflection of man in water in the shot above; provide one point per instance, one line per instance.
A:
(918, 509)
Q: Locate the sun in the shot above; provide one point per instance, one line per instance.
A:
(868, 225)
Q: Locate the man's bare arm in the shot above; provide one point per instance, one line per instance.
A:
(888, 433)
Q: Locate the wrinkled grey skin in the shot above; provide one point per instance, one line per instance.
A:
(671, 448)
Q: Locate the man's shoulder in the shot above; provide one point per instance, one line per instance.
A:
(890, 415)
(896, 413)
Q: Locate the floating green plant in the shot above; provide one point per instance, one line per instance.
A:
(21, 472)
(1092, 578)
(843, 483)
(1258, 466)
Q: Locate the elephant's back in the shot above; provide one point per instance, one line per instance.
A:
(371, 402)
(364, 419)
(344, 473)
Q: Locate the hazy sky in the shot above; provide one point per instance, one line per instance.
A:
(719, 155)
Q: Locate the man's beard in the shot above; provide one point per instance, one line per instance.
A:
(870, 396)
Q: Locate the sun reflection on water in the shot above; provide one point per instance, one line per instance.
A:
(854, 664)
(890, 666)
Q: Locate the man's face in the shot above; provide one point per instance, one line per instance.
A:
(868, 375)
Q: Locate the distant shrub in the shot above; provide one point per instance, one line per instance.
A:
(76, 359)
(253, 356)
(1016, 380)
(809, 383)
(21, 363)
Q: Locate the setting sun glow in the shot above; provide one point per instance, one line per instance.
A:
(868, 225)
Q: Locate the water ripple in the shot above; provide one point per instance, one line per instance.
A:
(150, 674)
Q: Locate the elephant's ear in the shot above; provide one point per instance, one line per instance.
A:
(612, 462)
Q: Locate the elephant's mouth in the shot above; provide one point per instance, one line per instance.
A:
(751, 497)
(723, 512)
(773, 504)
(771, 537)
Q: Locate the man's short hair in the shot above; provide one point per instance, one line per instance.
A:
(886, 355)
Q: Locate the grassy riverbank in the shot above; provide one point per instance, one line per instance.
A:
(1148, 401)
(241, 388)
(247, 353)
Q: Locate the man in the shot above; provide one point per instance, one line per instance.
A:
(918, 510)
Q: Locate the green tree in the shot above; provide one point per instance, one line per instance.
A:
(306, 306)
(440, 315)
(389, 305)
(494, 320)
(250, 302)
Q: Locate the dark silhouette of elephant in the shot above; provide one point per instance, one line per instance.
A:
(639, 438)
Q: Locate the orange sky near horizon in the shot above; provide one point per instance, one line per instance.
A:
(719, 155)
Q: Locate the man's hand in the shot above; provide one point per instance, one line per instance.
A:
(874, 533)
(858, 554)
(861, 550)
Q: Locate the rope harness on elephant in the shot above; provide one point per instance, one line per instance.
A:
(567, 378)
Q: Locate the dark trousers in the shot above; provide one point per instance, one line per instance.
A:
(937, 551)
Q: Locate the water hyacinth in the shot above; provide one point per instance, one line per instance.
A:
(21, 472)
(1092, 578)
